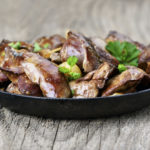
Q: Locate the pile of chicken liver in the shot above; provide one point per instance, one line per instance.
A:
(36, 74)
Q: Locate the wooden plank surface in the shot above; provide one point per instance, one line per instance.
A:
(28, 19)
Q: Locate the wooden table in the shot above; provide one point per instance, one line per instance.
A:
(28, 19)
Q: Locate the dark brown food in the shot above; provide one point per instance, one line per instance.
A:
(25, 45)
(54, 44)
(11, 61)
(22, 85)
(44, 73)
(99, 46)
(27, 87)
(47, 53)
(3, 77)
(43, 68)
(13, 88)
(11, 76)
(84, 89)
(3, 44)
(116, 36)
(89, 85)
(55, 57)
(102, 74)
(54, 41)
(144, 60)
(126, 80)
(8, 62)
(78, 45)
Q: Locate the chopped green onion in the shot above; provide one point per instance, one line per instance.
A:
(16, 45)
(74, 76)
(72, 60)
(72, 92)
(46, 45)
(63, 69)
(37, 47)
(121, 67)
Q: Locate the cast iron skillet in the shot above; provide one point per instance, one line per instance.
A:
(69, 108)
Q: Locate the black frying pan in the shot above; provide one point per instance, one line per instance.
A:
(69, 108)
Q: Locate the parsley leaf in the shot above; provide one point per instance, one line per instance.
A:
(63, 69)
(121, 67)
(72, 92)
(37, 47)
(126, 53)
(71, 75)
(74, 75)
(72, 60)
(46, 45)
(69, 68)
(16, 45)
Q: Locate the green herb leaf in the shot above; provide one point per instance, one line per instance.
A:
(72, 60)
(3, 53)
(63, 69)
(37, 47)
(74, 75)
(121, 67)
(72, 92)
(71, 75)
(126, 53)
(46, 45)
(16, 45)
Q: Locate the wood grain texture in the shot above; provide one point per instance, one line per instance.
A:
(28, 19)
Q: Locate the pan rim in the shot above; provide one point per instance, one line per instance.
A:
(77, 99)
